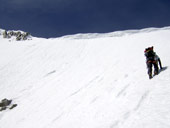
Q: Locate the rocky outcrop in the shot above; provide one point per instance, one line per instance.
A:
(18, 35)
(6, 104)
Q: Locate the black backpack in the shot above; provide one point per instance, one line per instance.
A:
(150, 55)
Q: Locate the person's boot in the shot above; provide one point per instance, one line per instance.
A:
(155, 72)
(150, 75)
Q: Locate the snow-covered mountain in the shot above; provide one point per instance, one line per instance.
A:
(85, 81)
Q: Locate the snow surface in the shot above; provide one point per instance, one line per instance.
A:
(86, 81)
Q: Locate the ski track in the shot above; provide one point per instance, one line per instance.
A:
(123, 90)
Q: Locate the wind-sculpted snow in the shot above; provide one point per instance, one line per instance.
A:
(86, 81)
(113, 34)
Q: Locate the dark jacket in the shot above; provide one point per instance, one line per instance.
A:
(150, 56)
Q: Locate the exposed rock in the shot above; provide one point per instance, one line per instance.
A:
(18, 35)
(13, 106)
(5, 104)
(3, 108)
(5, 34)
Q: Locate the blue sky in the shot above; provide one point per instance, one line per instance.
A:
(54, 18)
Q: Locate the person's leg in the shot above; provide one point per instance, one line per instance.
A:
(155, 68)
(149, 66)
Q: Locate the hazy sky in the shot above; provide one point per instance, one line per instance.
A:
(53, 18)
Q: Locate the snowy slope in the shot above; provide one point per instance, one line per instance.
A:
(85, 81)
